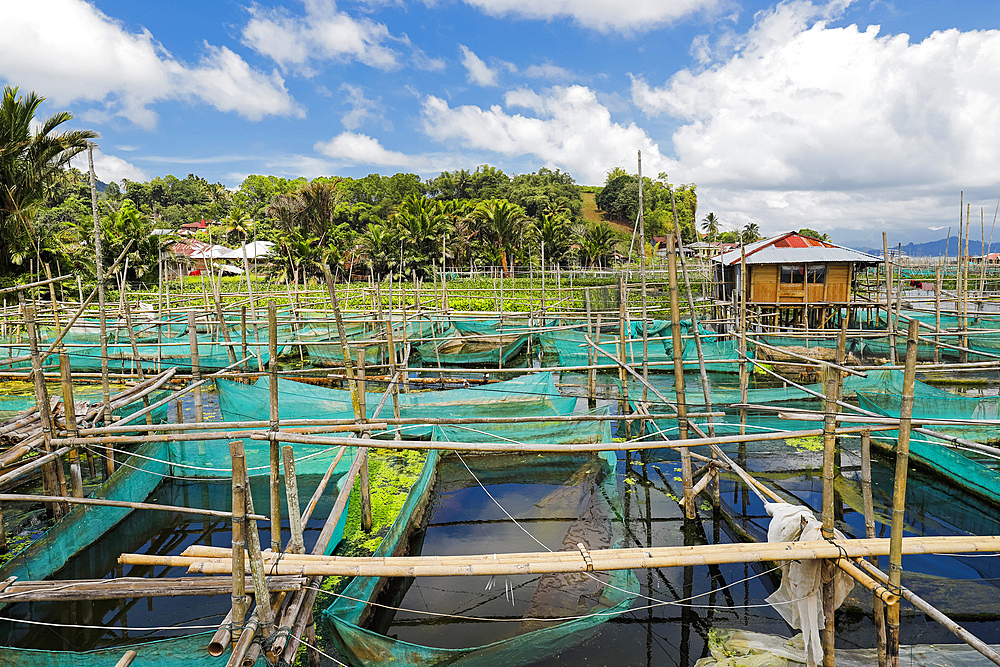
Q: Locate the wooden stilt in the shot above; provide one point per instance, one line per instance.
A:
(296, 544)
(878, 610)
(275, 458)
(199, 409)
(678, 354)
(239, 598)
(69, 413)
(899, 494)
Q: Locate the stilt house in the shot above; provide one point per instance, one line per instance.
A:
(791, 279)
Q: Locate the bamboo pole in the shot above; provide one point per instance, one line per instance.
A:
(642, 276)
(975, 642)
(890, 331)
(899, 494)
(364, 488)
(833, 378)
(104, 502)
(678, 353)
(239, 598)
(275, 453)
(869, 512)
(569, 561)
(262, 594)
(127, 658)
(299, 608)
(101, 305)
(199, 410)
(53, 483)
(69, 414)
(296, 544)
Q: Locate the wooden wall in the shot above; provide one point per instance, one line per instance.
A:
(766, 286)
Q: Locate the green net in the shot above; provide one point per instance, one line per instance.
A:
(464, 343)
(527, 395)
(942, 407)
(362, 646)
(135, 480)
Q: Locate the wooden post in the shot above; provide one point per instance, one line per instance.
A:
(69, 411)
(394, 386)
(678, 354)
(239, 597)
(265, 615)
(899, 493)
(136, 361)
(833, 379)
(296, 544)
(199, 410)
(869, 512)
(243, 336)
(591, 372)
(889, 329)
(275, 459)
(642, 276)
(363, 481)
(54, 485)
(937, 316)
(622, 350)
(101, 304)
(744, 364)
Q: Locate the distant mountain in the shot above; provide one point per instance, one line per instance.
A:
(940, 247)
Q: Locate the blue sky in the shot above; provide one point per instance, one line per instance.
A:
(848, 117)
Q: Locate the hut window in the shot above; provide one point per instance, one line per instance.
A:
(817, 273)
(792, 273)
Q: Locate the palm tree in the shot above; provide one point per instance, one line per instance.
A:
(30, 161)
(501, 223)
(597, 243)
(710, 223)
(751, 232)
(237, 225)
(555, 233)
(421, 223)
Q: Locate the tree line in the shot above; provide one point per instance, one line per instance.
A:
(379, 224)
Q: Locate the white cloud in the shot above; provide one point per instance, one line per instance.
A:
(109, 168)
(360, 149)
(322, 33)
(361, 108)
(479, 72)
(603, 15)
(548, 71)
(849, 124)
(570, 130)
(70, 51)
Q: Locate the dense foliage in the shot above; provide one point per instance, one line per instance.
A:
(378, 224)
(662, 203)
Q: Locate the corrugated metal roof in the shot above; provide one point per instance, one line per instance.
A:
(793, 248)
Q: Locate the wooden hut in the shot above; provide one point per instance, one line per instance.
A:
(792, 279)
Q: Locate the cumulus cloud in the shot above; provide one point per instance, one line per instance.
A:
(360, 107)
(566, 127)
(109, 168)
(322, 33)
(836, 118)
(479, 72)
(603, 15)
(71, 51)
(360, 149)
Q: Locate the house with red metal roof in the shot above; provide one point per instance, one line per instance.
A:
(791, 278)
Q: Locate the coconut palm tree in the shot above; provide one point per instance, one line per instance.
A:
(710, 223)
(751, 232)
(30, 161)
(502, 224)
